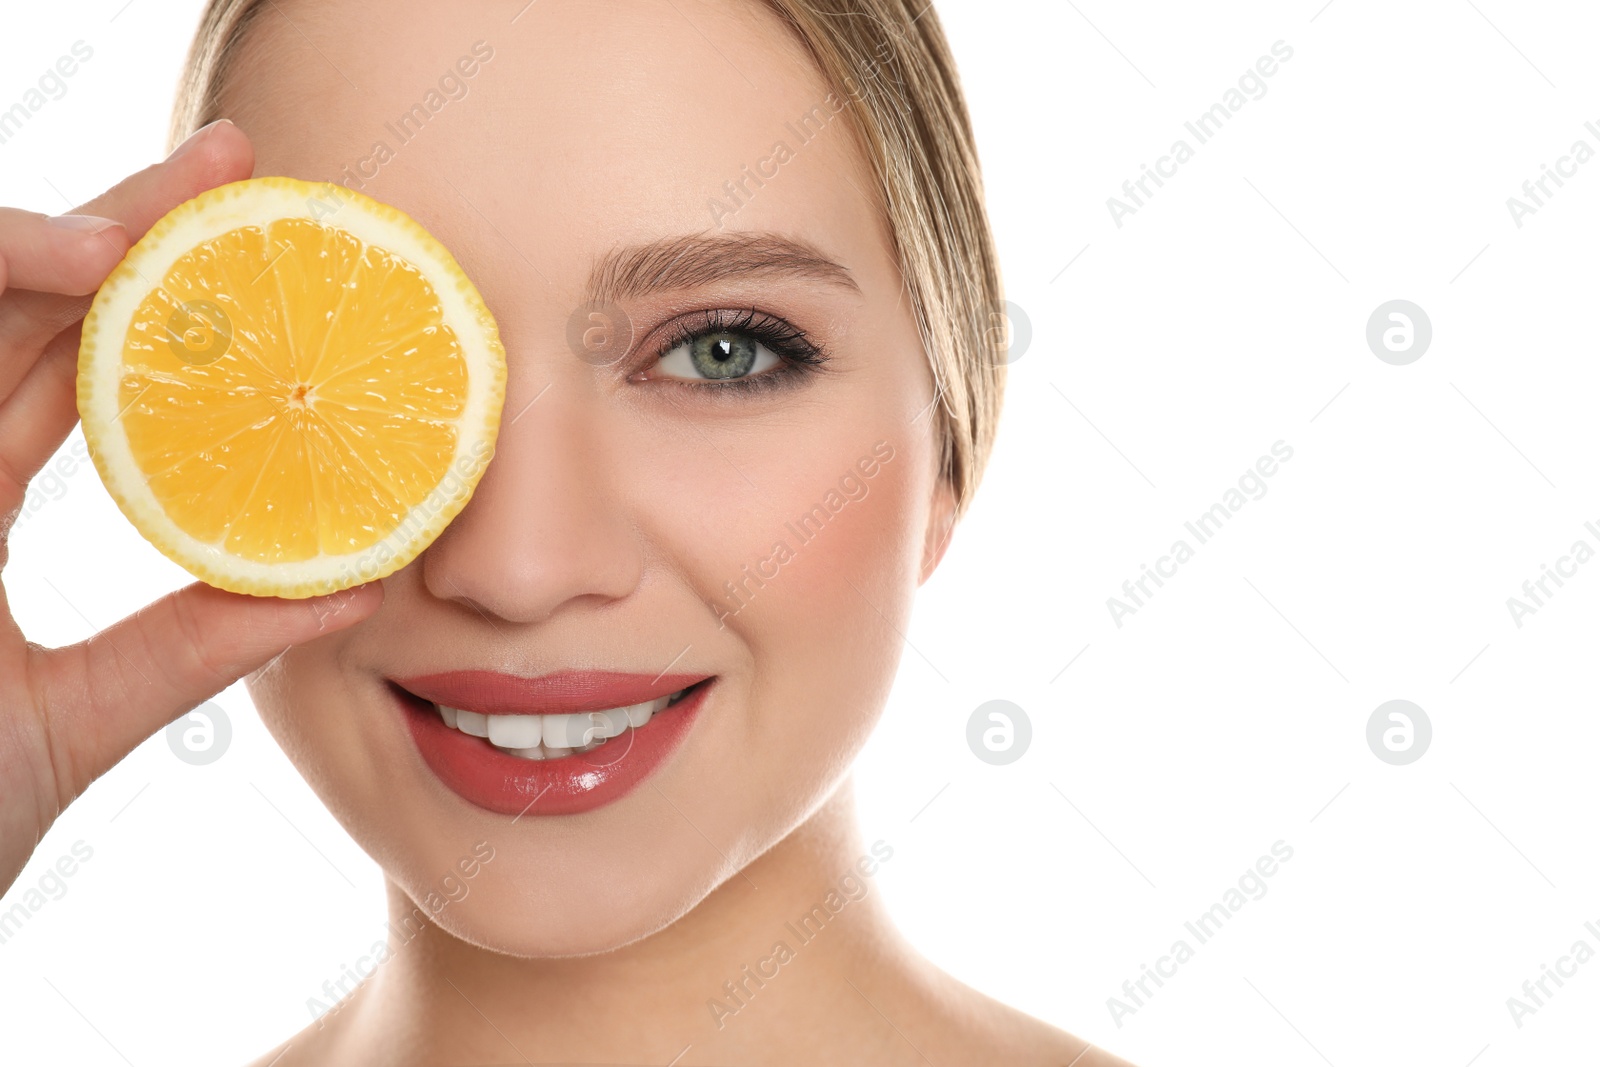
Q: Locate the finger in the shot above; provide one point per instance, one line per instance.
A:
(212, 156)
(68, 254)
(28, 321)
(36, 418)
(105, 695)
(217, 154)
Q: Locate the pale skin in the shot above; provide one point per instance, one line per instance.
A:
(620, 502)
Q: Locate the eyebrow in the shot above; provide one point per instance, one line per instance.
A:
(692, 260)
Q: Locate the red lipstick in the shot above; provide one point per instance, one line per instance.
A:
(493, 693)
(583, 781)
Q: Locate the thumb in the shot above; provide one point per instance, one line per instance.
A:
(102, 697)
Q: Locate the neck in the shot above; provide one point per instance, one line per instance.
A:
(766, 961)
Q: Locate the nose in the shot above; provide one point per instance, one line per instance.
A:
(546, 527)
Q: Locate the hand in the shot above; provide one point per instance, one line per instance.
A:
(67, 715)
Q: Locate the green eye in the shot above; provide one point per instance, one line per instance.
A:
(718, 355)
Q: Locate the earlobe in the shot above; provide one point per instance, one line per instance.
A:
(941, 524)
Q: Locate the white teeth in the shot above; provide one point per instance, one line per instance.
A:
(610, 723)
(539, 737)
(640, 714)
(515, 731)
(568, 731)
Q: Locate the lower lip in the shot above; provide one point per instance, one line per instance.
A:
(567, 785)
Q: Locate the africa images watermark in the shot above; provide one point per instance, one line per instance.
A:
(51, 483)
(1536, 991)
(847, 888)
(51, 85)
(366, 565)
(737, 192)
(805, 528)
(451, 85)
(1202, 128)
(1566, 567)
(452, 890)
(1202, 528)
(1136, 992)
(52, 885)
(1566, 167)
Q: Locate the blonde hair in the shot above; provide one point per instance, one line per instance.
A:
(889, 63)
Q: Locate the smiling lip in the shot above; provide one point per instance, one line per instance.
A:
(493, 693)
(583, 781)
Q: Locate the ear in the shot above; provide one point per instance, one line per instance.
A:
(941, 524)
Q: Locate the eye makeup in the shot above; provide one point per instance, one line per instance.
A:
(797, 355)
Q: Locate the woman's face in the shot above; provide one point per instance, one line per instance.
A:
(764, 531)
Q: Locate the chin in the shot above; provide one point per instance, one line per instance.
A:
(520, 910)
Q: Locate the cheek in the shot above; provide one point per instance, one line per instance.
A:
(814, 582)
(832, 634)
(327, 730)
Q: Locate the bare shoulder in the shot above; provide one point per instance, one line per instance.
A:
(981, 1029)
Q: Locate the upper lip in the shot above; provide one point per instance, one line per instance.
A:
(564, 692)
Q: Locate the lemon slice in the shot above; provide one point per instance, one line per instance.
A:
(289, 388)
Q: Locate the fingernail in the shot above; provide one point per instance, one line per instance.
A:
(194, 139)
(88, 224)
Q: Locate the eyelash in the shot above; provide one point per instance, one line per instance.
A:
(800, 355)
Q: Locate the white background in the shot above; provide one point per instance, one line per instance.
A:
(1227, 714)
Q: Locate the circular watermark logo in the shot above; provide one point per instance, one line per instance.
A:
(1007, 334)
(600, 334)
(1399, 732)
(999, 732)
(1399, 332)
(202, 736)
(199, 332)
(615, 749)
